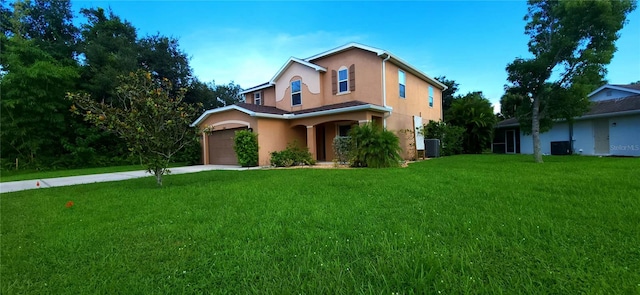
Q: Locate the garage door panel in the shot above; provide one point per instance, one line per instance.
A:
(221, 147)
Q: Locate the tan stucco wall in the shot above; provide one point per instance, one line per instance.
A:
(268, 96)
(231, 119)
(309, 99)
(415, 103)
(368, 77)
(273, 135)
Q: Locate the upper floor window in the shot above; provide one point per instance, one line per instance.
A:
(401, 81)
(257, 98)
(296, 93)
(343, 77)
(430, 96)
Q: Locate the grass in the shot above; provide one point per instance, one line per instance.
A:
(456, 225)
(16, 175)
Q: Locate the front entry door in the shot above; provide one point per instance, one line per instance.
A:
(321, 151)
(510, 140)
(601, 136)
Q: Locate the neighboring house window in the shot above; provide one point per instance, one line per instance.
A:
(343, 130)
(257, 98)
(401, 81)
(343, 77)
(430, 96)
(296, 93)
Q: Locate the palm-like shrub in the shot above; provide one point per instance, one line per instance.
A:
(374, 147)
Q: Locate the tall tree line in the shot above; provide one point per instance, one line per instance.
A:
(43, 56)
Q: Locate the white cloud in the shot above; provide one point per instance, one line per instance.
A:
(252, 57)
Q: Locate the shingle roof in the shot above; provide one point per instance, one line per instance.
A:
(507, 122)
(261, 109)
(611, 106)
(341, 105)
(629, 86)
(628, 103)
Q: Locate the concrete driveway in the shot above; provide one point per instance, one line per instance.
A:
(13, 186)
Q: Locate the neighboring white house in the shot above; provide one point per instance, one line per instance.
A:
(610, 127)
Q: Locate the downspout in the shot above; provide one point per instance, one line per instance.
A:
(384, 89)
(571, 137)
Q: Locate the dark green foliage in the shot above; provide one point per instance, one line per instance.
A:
(573, 38)
(342, 146)
(474, 113)
(34, 112)
(245, 144)
(449, 95)
(154, 124)
(293, 155)
(374, 147)
(163, 57)
(213, 96)
(451, 137)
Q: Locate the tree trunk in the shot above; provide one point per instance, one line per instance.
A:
(158, 173)
(535, 130)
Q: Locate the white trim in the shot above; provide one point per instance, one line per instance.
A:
(259, 98)
(404, 83)
(363, 121)
(382, 54)
(255, 88)
(343, 110)
(292, 60)
(342, 68)
(609, 86)
(232, 122)
(291, 116)
(297, 92)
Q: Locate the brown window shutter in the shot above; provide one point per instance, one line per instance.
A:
(352, 78)
(334, 82)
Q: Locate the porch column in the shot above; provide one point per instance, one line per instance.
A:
(311, 141)
(205, 149)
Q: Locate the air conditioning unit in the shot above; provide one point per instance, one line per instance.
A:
(560, 148)
(432, 147)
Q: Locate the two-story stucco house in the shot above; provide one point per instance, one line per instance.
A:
(315, 99)
(610, 128)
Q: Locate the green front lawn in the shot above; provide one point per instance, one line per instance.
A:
(16, 175)
(462, 224)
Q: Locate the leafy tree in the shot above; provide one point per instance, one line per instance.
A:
(34, 117)
(448, 95)
(110, 50)
(474, 113)
(154, 124)
(49, 23)
(162, 57)
(510, 104)
(451, 137)
(213, 96)
(573, 38)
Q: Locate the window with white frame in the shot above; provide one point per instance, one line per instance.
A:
(401, 82)
(257, 98)
(343, 78)
(430, 96)
(296, 93)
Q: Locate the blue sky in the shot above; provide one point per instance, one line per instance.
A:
(247, 42)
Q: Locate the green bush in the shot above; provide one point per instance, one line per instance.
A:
(245, 144)
(450, 136)
(373, 146)
(293, 155)
(342, 148)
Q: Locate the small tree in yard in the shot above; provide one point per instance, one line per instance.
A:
(245, 144)
(154, 125)
(571, 43)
